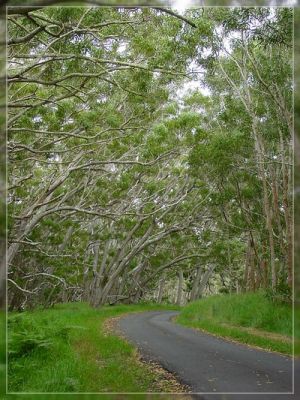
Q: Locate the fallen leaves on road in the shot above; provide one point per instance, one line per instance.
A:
(165, 382)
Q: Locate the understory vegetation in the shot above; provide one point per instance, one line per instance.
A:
(2, 351)
(72, 348)
(69, 349)
(250, 318)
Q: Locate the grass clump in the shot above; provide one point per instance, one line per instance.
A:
(250, 318)
(2, 351)
(66, 349)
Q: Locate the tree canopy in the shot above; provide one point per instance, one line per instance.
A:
(148, 150)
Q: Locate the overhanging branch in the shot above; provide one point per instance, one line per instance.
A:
(170, 12)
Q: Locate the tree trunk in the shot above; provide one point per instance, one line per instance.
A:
(95, 281)
(260, 151)
(204, 280)
(161, 288)
(180, 287)
(2, 275)
(247, 265)
(287, 215)
(196, 283)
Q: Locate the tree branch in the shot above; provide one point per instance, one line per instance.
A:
(170, 12)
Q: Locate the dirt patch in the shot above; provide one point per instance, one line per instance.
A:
(264, 334)
(110, 326)
(165, 381)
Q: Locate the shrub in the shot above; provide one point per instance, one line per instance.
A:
(282, 293)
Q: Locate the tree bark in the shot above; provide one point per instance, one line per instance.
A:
(180, 287)
(205, 280)
(288, 207)
(260, 151)
(2, 274)
(162, 282)
(196, 284)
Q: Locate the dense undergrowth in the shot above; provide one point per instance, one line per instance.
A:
(67, 349)
(250, 318)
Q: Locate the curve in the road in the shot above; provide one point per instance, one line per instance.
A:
(204, 362)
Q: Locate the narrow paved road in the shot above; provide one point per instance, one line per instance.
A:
(205, 363)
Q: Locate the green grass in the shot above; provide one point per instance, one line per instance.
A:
(297, 329)
(2, 352)
(249, 318)
(66, 349)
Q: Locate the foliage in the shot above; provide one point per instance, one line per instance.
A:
(82, 356)
(281, 294)
(141, 144)
(249, 318)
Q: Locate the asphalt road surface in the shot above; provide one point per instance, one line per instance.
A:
(208, 364)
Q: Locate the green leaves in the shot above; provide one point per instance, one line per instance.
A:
(105, 115)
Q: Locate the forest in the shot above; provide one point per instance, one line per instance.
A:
(150, 158)
(150, 154)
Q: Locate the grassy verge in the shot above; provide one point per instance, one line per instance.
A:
(66, 349)
(2, 352)
(249, 318)
(297, 330)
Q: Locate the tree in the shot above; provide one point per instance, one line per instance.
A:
(119, 181)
